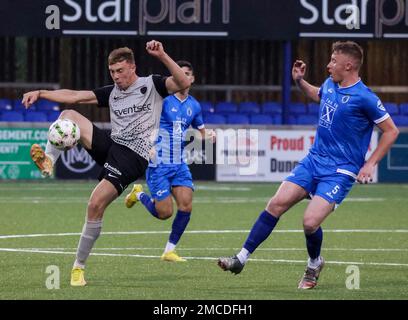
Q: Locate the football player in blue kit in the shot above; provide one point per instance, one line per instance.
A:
(348, 112)
(168, 175)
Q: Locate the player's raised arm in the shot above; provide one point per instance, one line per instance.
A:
(178, 80)
(60, 96)
(298, 73)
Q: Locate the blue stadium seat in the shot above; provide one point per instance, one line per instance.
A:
(391, 108)
(46, 105)
(53, 115)
(297, 108)
(207, 107)
(237, 119)
(313, 108)
(18, 106)
(226, 107)
(307, 119)
(260, 119)
(249, 108)
(277, 119)
(12, 116)
(36, 116)
(6, 104)
(292, 119)
(400, 121)
(404, 108)
(271, 108)
(214, 119)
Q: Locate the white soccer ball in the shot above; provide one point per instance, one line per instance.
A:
(64, 134)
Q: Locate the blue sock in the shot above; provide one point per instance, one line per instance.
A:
(149, 204)
(260, 231)
(314, 243)
(180, 223)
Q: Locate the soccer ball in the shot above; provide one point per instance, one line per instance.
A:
(64, 134)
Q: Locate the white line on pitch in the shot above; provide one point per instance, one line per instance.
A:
(207, 258)
(224, 249)
(202, 232)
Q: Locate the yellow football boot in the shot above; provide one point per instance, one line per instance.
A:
(131, 197)
(41, 160)
(172, 256)
(77, 277)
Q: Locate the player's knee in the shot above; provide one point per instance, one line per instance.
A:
(185, 207)
(95, 207)
(276, 206)
(310, 225)
(68, 114)
(165, 213)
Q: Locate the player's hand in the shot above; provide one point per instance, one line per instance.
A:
(29, 98)
(366, 173)
(210, 134)
(155, 48)
(298, 70)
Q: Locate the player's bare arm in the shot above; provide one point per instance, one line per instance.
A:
(389, 135)
(298, 73)
(208, 134)
(60, 96)
(178, 80)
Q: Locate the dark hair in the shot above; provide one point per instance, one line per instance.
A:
(121, 54)
(184, 63)
(350, 48)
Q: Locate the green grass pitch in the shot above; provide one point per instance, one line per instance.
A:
(41, 222)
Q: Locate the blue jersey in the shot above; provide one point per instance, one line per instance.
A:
(346, 119)
(176, 118)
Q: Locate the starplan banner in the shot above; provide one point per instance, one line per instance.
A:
(233, 19)
(238, 19)
(265, 155)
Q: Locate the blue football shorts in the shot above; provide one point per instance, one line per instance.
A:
(321, 177)
(162, 178)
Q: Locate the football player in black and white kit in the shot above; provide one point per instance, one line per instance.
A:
(135, 106)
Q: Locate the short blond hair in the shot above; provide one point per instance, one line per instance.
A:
(121, 54)
(350, 48)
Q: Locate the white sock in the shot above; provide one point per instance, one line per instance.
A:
(169, 247)
(314, 263)
(243, 255)
(78, 265)
(52, 152)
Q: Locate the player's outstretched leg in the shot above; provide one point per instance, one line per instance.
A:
(131, 198)
(137, 194)
(311, 275)
(261, 230)
(41, 160)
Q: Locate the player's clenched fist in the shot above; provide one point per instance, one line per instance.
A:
(298, 70)
(155, 48)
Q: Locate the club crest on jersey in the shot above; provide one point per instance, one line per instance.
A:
(345, 99)
(327, 115)
(380, 105)
(189, 112)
